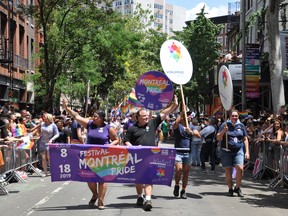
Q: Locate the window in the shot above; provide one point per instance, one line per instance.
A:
(158, 6)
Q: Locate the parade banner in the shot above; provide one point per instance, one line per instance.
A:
(154, 90)
(119, 164)
(176, 62)
(225, 86)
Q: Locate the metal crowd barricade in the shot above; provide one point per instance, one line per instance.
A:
(16, 159)
(272, 157)
(34, 157)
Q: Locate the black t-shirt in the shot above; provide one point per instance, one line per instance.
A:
(144, 135)
(3, 129)
(63, 136)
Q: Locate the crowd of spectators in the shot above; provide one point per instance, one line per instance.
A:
(230, 57)
(264, 127)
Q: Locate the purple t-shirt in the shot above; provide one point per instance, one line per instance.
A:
(98, 135)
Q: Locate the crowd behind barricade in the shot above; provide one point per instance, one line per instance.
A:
(267, 135)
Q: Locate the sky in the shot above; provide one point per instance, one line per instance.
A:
(212, 7)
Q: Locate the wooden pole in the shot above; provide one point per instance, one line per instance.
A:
(184, 105)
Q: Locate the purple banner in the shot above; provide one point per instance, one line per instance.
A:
(154, 90)
(120, 164)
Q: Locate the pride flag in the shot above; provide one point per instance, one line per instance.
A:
(26, 143)
(244, 114)
(132, 99)
(19, 130)
(217, 110)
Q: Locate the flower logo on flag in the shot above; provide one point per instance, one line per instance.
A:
(160, 172)
(224, 78)
(175, 52)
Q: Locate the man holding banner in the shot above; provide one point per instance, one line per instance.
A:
(143, 132)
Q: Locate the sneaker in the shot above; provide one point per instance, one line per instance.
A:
(183, 194)
(38, 170)
(140, 201)
(230, 193)
(24, 175)
(176, 190)
(2, 179)
(147, 205)
(239, 192)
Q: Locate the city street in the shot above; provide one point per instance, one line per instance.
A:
(206, 196)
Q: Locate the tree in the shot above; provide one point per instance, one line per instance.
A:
(200, 39)
(275, 57)
(84, 42)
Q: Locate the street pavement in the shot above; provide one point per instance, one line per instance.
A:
(206, 196)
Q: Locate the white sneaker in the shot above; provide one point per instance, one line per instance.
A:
(2, 179)
(38, 170)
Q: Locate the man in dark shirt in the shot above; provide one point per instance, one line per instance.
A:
(143, 132)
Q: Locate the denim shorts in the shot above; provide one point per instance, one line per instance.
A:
(184, 158)
(230, 159)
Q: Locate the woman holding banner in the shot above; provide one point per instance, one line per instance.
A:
(235, 151)
(98, 132)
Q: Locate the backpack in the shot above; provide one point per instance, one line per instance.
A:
(209, 139)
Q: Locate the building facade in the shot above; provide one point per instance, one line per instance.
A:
(19, 41)
(168, 18)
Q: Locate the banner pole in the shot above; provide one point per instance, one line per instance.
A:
(184, 105)
(226, 135)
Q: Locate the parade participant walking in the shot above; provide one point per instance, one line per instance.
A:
(195, 145)
(207, 150)
(76, 132)
(183, 137)
(48, 133)
(238, 150)
(143, 132)
(100, 133)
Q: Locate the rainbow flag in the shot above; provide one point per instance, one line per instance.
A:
(244, 114)
(217, 110)
(132, 99)
(125, 109)
(19, 130)
(26, 143)
(116, 110)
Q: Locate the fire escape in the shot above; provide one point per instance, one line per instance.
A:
(6, 43)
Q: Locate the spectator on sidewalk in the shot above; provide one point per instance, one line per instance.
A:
(48, 133)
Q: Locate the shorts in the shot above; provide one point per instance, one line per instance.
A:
(184, 158)
(230, 159)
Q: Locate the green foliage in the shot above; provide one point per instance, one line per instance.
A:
(200, 39)
(85, 43)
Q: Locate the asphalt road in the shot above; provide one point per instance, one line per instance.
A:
(206, 196)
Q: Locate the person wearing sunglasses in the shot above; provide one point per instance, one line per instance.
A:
(100, 133)
(235, 149)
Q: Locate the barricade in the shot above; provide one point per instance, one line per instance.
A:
(15, 159)
(270, 157)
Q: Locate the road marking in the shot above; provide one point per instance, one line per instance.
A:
(48, 197)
